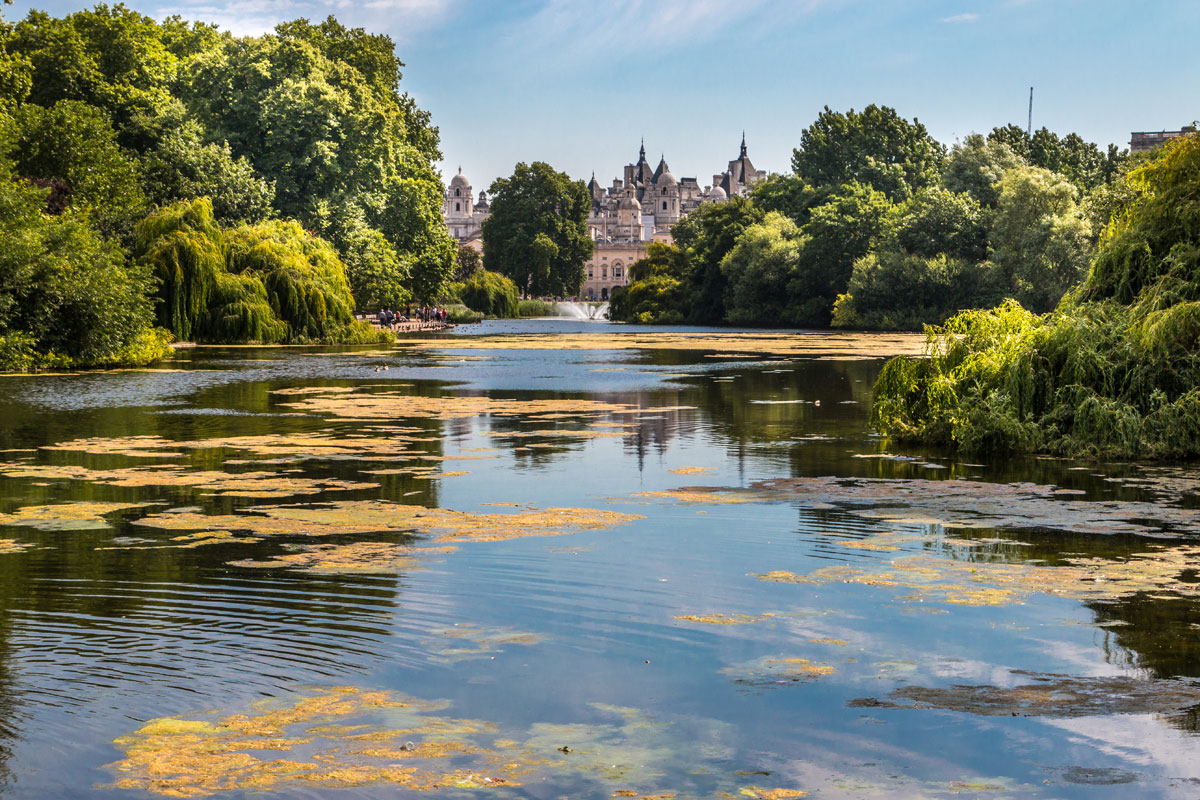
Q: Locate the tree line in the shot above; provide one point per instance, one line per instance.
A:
(170, 179)
(880, 226)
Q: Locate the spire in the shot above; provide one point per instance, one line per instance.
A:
(642, 153)
(743, 155)
(460, 170)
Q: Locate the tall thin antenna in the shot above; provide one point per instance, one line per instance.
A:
(1029, 130)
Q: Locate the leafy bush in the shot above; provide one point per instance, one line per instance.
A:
(460, 314)
(67, 295)
(533, 307)
(896, 291)
(490, 293)
(1114, 370)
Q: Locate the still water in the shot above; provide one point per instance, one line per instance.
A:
(673, 569)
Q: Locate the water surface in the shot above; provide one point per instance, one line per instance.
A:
(700, 627)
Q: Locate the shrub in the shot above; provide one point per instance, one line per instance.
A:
(491, 294)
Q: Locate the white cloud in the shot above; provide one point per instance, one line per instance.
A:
(255, 17)
(960, 18)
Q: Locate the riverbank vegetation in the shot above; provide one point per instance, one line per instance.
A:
(164, 180)
(879, 226)
(1113, 370)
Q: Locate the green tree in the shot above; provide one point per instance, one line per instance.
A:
(706, 235)
(490, 293)
(790, 196)
(1082, 162)
(72, 148)
(655, 294)
(467, 262)
(895, 290)
(1040, 237)
(182, 167)
(109, 57)
(267, 282)
(935, 221)
(316, 110)
(532, 209)
(876, 147)
(67, 295)
(378, 276)
(975, 165)
(840, 232)
(763, 274)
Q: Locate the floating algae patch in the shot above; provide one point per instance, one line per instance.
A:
(731, 344)
(777, 670)
(299, 446)
(1161, 569)
(391, 405)
(177, 757)
(1049, 695)
(188, 541)
(139, 446)
(703, 494)
(957, 503)
(551, 432)
(372, 516)
(467, 641)
(724, 619)
(77, 516)
(244, 484)
(344, 737)
(759, 793)
(304, 390)
(333, 559)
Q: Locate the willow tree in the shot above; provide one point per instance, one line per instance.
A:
(267, 282)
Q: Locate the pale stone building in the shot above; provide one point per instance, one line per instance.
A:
(464, 218)
(642, 205)
(638, 208)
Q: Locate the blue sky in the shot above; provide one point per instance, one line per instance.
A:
(577, 83)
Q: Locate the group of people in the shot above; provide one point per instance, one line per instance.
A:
(390, 319)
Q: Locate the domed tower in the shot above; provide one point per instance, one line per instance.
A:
(716, 195)
(458, 199)
(629, 215)
(666, 195)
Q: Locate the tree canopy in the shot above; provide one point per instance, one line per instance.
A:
(536, 234)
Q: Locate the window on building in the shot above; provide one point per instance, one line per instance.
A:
(458, 192)
(458, 206)
(664, 205)
(604, 272)
(616, 272)
(589, 272)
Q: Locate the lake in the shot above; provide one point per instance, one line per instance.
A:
(555, 559)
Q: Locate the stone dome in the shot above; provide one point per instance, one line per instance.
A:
(717, 195)
(459, 181)
(667, 179)
(629, 201)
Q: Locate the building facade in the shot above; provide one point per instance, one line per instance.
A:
(464, 216)
(637, 208)
(1141, 141)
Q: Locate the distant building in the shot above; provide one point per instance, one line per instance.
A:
(1141, 141)
(464, 218)
(642, 206)
(638, 208)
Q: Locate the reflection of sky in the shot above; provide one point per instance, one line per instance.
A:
(102, 641)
